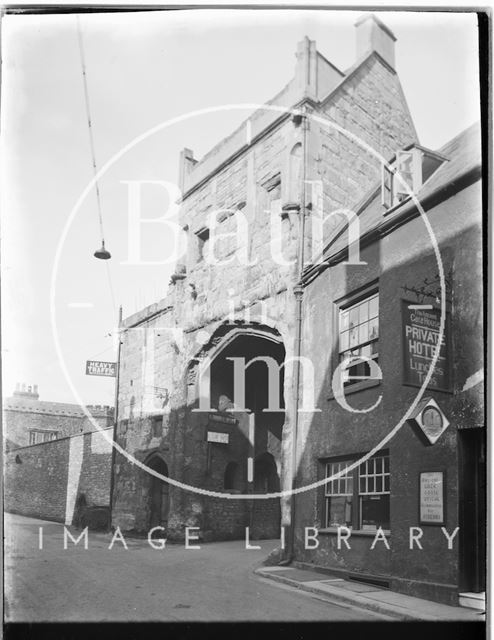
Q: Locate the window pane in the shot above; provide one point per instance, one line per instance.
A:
(353, 336)
(344, 320)
(344, 341)
(363, 311)
(379, 465)
(373, 329)
(374, 512)
(371, 485)
(386, 464)
(379, 484)
(354, 317)
(363, 332)
(386, 483)
(339, 511)
(374, 307)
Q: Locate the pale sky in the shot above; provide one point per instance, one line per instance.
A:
(144, 69)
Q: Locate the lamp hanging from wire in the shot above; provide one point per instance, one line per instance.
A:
(102, 253)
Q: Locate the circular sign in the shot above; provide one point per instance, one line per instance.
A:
(432, 420)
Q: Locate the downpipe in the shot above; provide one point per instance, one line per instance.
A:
(298, 291)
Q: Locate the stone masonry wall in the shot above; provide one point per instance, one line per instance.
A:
(44, 480)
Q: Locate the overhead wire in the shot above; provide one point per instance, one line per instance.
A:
(93, 153)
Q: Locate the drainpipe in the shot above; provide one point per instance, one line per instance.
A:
(115, 415)
(298, 291)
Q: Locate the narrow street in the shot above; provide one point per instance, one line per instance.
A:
(214, 583)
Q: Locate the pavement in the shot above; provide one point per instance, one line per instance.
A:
(383, 601)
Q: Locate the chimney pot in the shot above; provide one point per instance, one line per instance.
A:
(374, 35)
(187, 162)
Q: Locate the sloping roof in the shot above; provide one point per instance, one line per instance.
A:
(261, 119)
(464, 156)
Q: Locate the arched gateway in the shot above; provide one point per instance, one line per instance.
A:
(243, 439)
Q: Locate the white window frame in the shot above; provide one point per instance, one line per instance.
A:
(353, 479)
(344, 353)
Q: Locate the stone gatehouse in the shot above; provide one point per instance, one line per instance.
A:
(251, 203)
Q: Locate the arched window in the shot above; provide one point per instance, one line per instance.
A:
(230, 480)
(295, 173)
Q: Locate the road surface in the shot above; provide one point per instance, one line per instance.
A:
(213, 583)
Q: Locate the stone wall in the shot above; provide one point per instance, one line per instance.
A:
(46, 480)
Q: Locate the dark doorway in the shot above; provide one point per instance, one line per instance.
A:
(255, 442)
(472, 510)
(266, 478)
(158, 494)
(266, 514)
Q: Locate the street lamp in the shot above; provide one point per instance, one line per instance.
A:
(102, 253)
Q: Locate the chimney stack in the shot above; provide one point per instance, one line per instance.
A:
(374, 35)
(187, 163)
(30, 392)
(306, 67)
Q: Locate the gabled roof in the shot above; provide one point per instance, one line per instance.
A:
(464, 159)
(262, 119)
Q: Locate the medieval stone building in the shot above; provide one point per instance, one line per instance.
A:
(321, 136)
(306, 248)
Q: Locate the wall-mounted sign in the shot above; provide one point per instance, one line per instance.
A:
(221, 438)
(99, 368)
(420, 331)
(432, 497)
(429, 416)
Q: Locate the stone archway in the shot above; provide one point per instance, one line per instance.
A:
(235, 435)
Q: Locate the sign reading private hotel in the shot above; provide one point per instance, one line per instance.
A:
(420, 337)
(432, 498)
(99, 368)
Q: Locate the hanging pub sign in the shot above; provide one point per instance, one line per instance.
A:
(432, 497)
(420, 334)
(99, 368)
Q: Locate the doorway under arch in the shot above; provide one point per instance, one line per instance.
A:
(266, 513)
(244, 427)
(159, 493)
